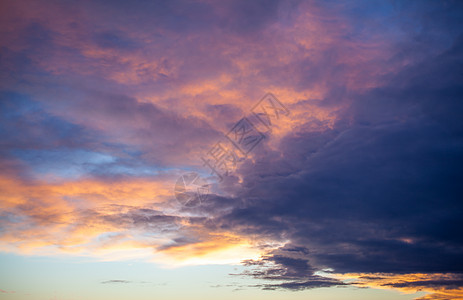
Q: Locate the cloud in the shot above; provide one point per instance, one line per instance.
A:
(440, 286)
(100, 111)
(116, 281)
(289, 268)
(377, 192)
(84, 217)
(371, 188)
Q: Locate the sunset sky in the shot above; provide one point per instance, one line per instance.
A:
(350, 188)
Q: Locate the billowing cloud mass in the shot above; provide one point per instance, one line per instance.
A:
(104, 104)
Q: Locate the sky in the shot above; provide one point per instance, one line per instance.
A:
(277, 149)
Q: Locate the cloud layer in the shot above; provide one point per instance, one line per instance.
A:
(104, 104)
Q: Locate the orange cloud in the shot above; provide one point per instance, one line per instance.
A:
(440, 286)
(109, 220)
(45, 214)
(211, 248)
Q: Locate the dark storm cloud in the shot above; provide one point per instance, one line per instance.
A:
(379, 192)
(287, 268)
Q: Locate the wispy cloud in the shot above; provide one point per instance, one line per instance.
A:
(116, 281)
